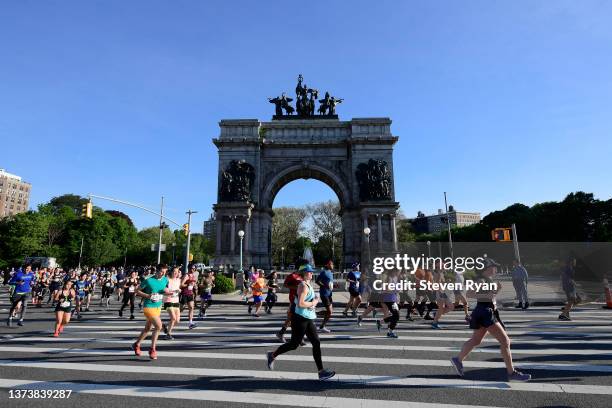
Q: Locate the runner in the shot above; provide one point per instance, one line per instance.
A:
(460, 298)
(151, 290)
(404, 297)
(355, 299)
(569, 287)
(253, 275)
(120, 283)
(23, 282)
(171, 302)
(271, 297)
(302, 323)
(64, 299)
(129, 295)
(374, 302)
(188, 293)
(82, 288)
(257, 288)
(107, 289)
(443, 301)
(325, 280)
(425, 297)
(390, 306)
(55, 286)
(207, 283)
(291, 282)
(42, 286)
(485, 319)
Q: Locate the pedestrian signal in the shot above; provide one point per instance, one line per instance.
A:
(501, 234)
(87, 211)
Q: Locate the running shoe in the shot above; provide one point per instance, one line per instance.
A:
(378, 325)
(270, 358)
(153, 354)
(204, 314)
(324, 330)
(428, 317)
(359, 321)
(436, 326)
(519, 306)
(250, 308)
(281, 337)
(526, 306)
(169, 337)
(409, 318)
(354, 313)
(518, 376)
(344, 314)
(468, 319)
(255, 315)
(131, 317)
(55, 334)
(458, 365)
(20, 322)
(136, 348)
(302, 343)
(200, 315)
(9, 322)
(120, 313)
(565, 318)
(165, 328)
(269, 311)
(392, 335)
(326, 374)
(192, 326)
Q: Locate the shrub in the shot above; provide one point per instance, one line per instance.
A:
(223, 284)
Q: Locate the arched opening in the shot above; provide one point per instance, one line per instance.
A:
(307, 223)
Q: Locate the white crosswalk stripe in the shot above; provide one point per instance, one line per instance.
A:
(541, 345)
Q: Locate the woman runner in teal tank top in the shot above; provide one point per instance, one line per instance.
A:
(302, 323)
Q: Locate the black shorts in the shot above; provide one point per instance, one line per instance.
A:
(326, 300)
(168, 305)
(186, 299)
(353, 292)
(482, 316)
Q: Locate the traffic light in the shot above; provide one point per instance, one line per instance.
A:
(501, 234)
(87, 211)
(186, 229)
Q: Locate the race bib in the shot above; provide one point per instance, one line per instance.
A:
(155, 297)
(131, 289)
(394, 306)
(107, 284)
(331, 285)
(65, 304)
(190, 287)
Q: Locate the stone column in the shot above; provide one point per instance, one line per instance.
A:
(233, 235)
(394, 231)
(380, 234)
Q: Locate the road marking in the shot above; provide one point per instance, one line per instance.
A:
(375, 380)
(308, 358)
(493, 349)
(246, 398)
(412, 338)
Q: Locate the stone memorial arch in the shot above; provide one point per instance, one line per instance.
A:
(256, 159)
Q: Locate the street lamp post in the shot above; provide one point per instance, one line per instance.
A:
(282, 258)
(241, 235)
(174, 253)
(367, 231)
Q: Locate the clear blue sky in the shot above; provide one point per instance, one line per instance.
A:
(494, 102)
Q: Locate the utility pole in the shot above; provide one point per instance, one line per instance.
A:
(450, 238)
(161, 230)
(189, 213)
(81, 252)
(517, 255)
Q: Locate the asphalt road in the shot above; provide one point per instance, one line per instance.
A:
(221, 363)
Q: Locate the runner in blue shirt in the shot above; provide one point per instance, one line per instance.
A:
(23, 288)
(353, 278)
(325, 280)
